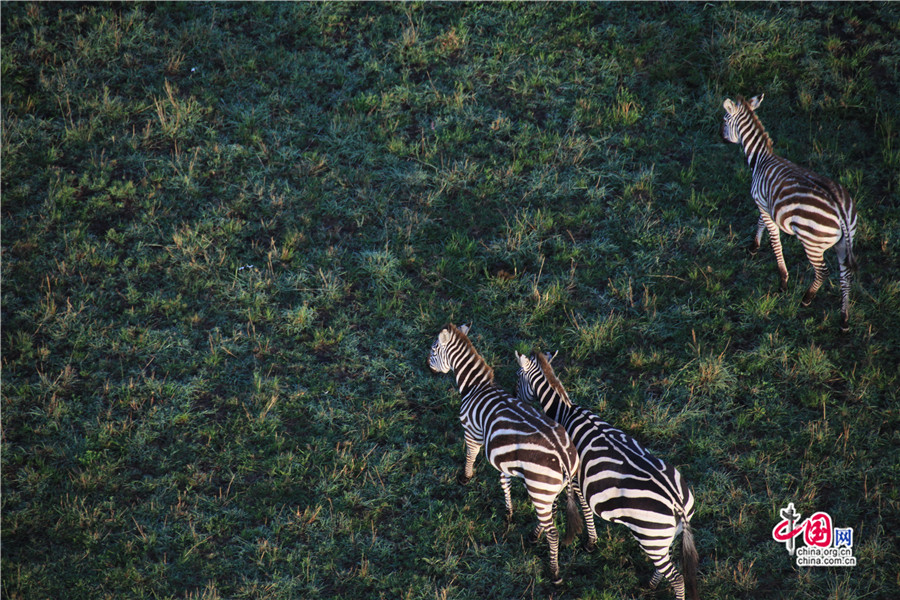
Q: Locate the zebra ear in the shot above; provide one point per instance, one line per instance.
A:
(465, 328)
(523, 360)
(756, 101)
(729, 106)
(444, 337)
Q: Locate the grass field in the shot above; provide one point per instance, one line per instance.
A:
(230, 233)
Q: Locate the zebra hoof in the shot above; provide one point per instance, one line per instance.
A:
(845, 326)
(590, 546)
(558, 580)
(462, 479)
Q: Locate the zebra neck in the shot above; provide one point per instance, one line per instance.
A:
(471, 371)
(554, 407)
(757, 143)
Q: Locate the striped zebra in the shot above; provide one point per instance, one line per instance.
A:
(518, 439)
(620, 480)
(796, 201)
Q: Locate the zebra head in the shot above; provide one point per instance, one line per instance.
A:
(537, 381)
(529, 375)
(735, 115)
(439, 357)
(528, 370)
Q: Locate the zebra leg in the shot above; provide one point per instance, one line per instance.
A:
(472, 448)
(844, 264)
(775, 239)
(546, 524)
(818, 262)
(665, 568)
(677, 582)
(591, 543)
(553, 540)
(543, 505)
(507, 497)
(541, 527)
(753, 248)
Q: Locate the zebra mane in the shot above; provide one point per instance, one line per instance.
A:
(551, 377)
(489, 371)
(759, 126)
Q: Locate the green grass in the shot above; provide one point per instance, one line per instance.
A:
(231, 232)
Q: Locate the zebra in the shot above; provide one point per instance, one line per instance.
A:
(620, 480)
(518, 439)
(796, 201)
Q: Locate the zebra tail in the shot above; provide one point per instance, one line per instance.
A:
(847, 240)
(689, 560)
(574, 522)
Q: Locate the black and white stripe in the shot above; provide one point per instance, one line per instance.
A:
(620, 480)
(518, 439)
(796, 201)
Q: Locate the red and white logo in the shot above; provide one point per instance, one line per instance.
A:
(826, 546)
